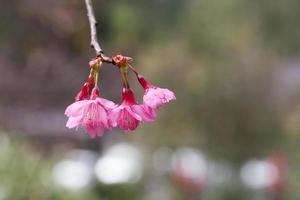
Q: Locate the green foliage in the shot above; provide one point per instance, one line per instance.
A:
(26, 174)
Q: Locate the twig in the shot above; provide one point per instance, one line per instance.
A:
(93, 23)
(94, 40)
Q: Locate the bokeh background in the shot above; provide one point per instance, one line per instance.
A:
(232, 134)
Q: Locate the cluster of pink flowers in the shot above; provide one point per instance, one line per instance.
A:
(96, 114)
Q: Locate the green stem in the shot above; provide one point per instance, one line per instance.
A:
(124, 75)
(133, 69)
(95, 75)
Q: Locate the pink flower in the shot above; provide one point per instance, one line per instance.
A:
(90, 114)
(154, 96)
(128, 115)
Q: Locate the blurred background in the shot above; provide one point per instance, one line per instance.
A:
(232, 134)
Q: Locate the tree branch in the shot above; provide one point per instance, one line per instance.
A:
(93, 23)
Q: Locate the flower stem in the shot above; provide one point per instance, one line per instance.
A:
(95, 75)
(124, 75)
(133, 69)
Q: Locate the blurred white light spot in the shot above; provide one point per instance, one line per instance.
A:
(259, 174)
(76, 172)
(189, 163)
(120, 164)
(72, 175)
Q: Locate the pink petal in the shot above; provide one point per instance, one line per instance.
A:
(168, 95)
(124, 118)
(152, 100)
(113, 116)
(155, 97)
(94, 129)
(132, 113)
(96, 114)
(73, 122)
(126, 121)
(107, 104)
(103, 117)
(76, 108)
(147, 113)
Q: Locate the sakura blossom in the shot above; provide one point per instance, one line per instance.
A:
(128, 115)
(90, 114)
(155, 97)
(97, 114)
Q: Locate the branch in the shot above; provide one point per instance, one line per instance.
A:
(93, 23)
(94, 40)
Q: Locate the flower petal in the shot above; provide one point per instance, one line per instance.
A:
(76, 108)
(94, 129)
(107, 104)
(127, 122)
(73, 122)
(155, 97)
(147, 113)
(132, 113)
(113, 116)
